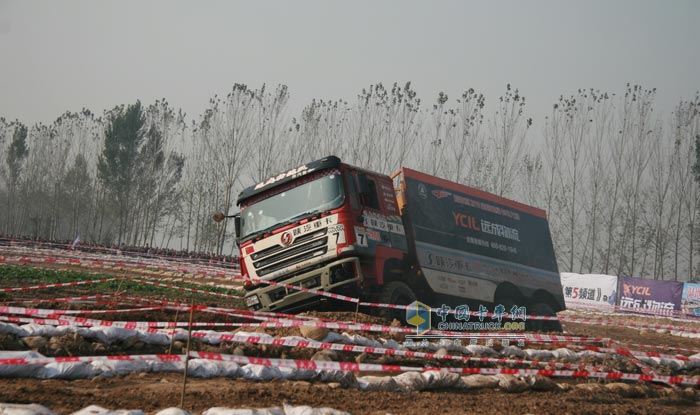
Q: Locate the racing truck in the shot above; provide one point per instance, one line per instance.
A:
(331, 226)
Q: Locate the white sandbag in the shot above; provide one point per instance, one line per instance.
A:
(289, 373)
(346, 379)
(513, 351)
(259, 372)
(109, 335)
(591, 353)
(542, 383)
(123, 367)
(410, 381)
(45, 330)
(377, 383)
(479, 382)
(333, 337)
(9, 328)
(203, 368)
(541, 354)
(210, 336)
(20, 371)
(229, 411)
(158, 366)
(69, 370)
(674, 364)
(437, 379)
(19, 409)
(511, 384)
(478, 350)
(391, 344)
(176, 333)
(360, 340)
(154, 338)
(565, 354)
(173, 411)
(98, 410)
(307, 410)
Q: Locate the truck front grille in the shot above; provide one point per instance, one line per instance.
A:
(279, 257)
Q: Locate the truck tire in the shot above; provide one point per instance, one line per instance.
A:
(542, 309)
(395, 292)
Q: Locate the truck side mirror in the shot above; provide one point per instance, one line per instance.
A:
(237, 225)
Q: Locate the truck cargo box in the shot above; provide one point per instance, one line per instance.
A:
(468, 242)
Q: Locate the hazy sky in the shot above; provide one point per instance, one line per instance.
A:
(65, 55)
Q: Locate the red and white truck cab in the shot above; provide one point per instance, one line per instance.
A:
(324, 225)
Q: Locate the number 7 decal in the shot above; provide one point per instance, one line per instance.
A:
(361, 236)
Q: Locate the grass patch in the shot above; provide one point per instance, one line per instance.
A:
(19, 276)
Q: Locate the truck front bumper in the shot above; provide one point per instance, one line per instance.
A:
(330, 277)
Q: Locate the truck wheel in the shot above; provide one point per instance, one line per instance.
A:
(542, 309)
(395, 292)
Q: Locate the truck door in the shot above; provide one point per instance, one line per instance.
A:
(380, 233)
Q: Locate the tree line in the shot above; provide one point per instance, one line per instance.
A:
(618, 180)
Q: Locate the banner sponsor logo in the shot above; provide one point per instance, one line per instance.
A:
(691, 298)
(640, 293)
(589, 290)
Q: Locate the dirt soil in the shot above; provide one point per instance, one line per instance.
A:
(154, 392)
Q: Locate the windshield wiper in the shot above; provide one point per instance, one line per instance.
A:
(301, 215)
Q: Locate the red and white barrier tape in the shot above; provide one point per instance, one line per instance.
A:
(271, 322)
(654, 346)
(60, 284)
(52, 312)
(310, 344)
(316, 365)
(635, 353)
(357, 301)
(151, 327)
(62, 299)
(176, 287)
(598, 321)
(146, 326)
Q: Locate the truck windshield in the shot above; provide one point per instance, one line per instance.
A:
(321, 194)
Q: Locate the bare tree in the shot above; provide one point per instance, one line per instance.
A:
(467, 145)
(440, 131)
(597, 173)
(270, 132)
(15, 157)
(227, 129)
(637, 113)
(661, 175)
(405, 125)
(508, 132)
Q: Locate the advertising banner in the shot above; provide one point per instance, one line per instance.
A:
(691, 298)
(467, 241)
(654, 295)
(596, 291)
(446, 214)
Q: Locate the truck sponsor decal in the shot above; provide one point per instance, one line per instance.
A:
(337, 233)
(466, 223)
(361, 236)
(383, 223)
(459, 273)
